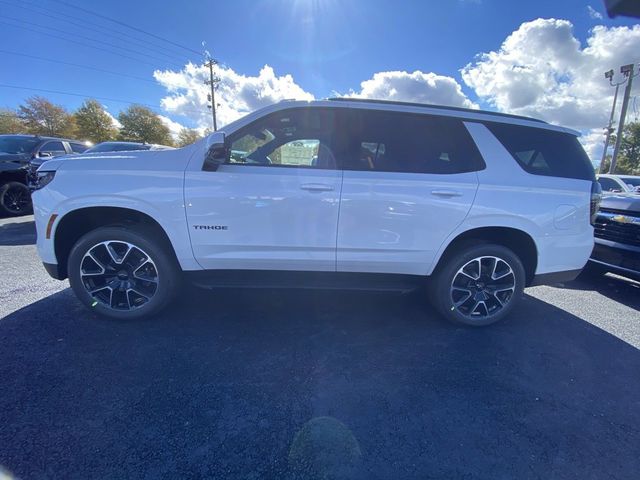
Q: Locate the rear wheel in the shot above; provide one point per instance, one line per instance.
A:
(123, 273)
(478, 285)
(15, 199)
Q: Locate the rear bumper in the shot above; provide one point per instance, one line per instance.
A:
(554, 277)
(53, 270)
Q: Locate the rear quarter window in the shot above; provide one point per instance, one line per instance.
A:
(545, 152)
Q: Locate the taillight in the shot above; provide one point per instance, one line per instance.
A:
(596, 198)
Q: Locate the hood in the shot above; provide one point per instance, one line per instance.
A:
(629, 202)
(137, 160)
(21, 158)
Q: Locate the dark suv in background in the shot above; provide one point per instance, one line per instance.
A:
(617, 236)
(20, 157)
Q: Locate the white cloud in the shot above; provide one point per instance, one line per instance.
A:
(414, 87)
(114, 120)
(236, 94)
(593, 143)
(174, 127)
(542, 70)
(593, 13)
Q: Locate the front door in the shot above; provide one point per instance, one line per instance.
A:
(274, 204)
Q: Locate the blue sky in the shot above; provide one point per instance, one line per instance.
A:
(326, 46)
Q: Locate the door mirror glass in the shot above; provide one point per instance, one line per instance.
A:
(45, 155)
(216, 156)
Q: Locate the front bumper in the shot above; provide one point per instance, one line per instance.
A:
(54, 271)
(617, 257)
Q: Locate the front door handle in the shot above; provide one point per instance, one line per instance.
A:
(317, 187)
(446, 193)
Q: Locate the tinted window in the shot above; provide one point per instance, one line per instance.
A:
(293, 138)
(398, 142)
(609, 185)
(545, 152)
(53, 148)
(78, 147)
(15, 145)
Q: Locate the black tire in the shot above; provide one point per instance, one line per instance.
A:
(15, 199)
(498, 303)
(160, 271)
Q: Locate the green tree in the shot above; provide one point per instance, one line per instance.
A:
(93, 123)
(10, 122)
(41, 117)
(140, 124)
(187, 136)
(629, 156)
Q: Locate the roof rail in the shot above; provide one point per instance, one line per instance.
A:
(426, 105)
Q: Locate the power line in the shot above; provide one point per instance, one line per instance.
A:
(116, 34)
(83, 44)
(107, 99)
(100, 42)
(127, 25)
(88, 67)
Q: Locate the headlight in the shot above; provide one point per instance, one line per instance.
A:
(43, 179)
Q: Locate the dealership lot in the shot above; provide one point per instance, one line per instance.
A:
(224, 383)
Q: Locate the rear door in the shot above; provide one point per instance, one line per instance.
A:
(274, 204)
(409, 181)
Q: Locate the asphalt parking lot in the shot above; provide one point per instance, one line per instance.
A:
(315, 384)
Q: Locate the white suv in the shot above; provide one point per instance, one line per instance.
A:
(338, 193)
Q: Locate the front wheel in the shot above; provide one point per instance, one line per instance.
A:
(478, 285)
(15, 199)
(123, 273)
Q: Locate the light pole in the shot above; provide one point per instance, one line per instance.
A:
(609, 76)
(627, 71)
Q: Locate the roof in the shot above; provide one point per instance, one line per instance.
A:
(40, 137)
(431, 106)
(465, 114)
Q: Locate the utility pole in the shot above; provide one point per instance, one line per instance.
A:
(627, 71)
(213, 82)
(609, 75)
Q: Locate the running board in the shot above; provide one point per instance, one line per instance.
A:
(306, 280)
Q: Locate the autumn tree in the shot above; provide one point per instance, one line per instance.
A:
(187, 136)
(140, 124)
(41, 117)
(93, 123)
(10, 122)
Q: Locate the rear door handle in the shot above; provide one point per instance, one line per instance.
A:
(317, 187)
(445, 193)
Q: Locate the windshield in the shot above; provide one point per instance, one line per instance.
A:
(118, 147)
(17, 145)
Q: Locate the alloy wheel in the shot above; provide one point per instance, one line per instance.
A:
(482, 287)
(119, 275)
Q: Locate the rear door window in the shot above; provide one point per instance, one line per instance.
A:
(545, 152)
(410, 143)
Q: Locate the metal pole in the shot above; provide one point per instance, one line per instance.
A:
(623, 113)
(213, 95)
(609, 129)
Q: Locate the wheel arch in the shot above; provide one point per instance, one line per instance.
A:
(76, 223)
(519, 241)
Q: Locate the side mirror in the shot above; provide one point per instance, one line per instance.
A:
(45, 155)
(217, 155)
